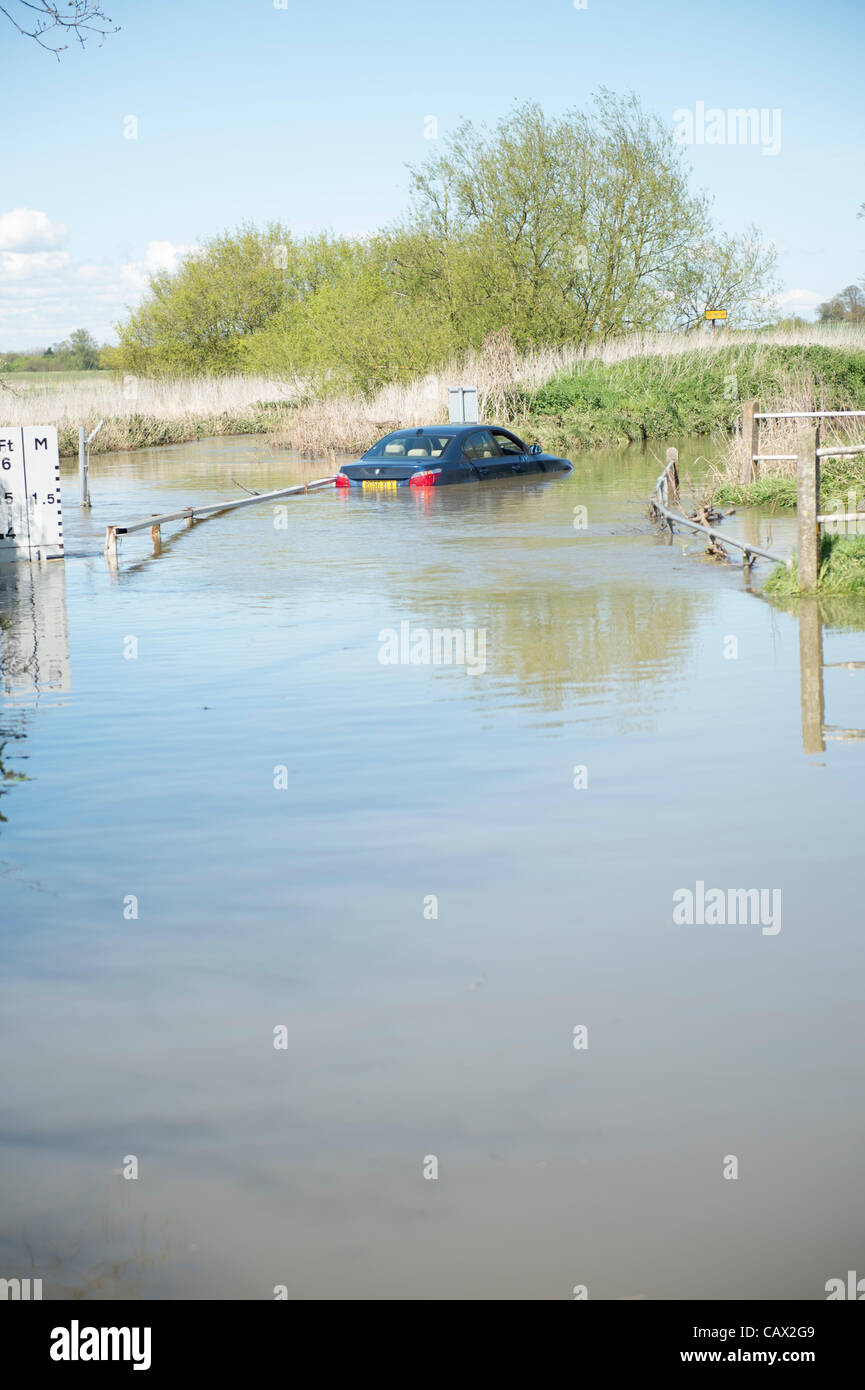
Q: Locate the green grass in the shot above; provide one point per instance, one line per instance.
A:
(695, 392)
(837, 478)
(842, 570)
(30, 381)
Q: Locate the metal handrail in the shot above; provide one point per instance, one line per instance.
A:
(189, 514)
(214, 508)
(661, 490)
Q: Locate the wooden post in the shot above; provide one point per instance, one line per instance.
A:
(750, 442)
(111, 547)
(808, 506)
(156, 537)
(811, 674)
(672, 471)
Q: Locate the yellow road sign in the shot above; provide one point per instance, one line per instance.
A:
(716, 313)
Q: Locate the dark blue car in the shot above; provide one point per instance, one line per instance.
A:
(436, 455)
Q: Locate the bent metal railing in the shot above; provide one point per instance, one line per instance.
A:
(667, 481)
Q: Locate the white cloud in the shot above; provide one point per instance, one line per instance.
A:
(800, 302)
(163, 255)
(25, 229)
(798, 297)
(160, 255)
(30, 265)
(44, 294)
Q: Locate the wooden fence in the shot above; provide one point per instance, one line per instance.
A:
(807, 459)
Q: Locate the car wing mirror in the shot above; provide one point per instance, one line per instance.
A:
(536, 449)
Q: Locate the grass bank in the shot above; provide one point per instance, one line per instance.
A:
(698, 391)
(841, 572)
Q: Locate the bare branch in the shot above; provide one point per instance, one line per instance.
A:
(48, 23)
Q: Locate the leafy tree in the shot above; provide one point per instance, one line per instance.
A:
(358, 327)
(726, 272)
(195, 318)
(557, 230)
(562, 229)
(846, 307)
(83, 350)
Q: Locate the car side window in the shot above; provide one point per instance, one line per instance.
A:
(480, 445)
(506, 444)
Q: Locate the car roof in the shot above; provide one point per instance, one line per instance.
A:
(448, 429)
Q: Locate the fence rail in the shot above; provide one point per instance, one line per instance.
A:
(751, 417)
(189, 514)
(805, 414)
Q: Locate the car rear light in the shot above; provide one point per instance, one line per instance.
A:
(428, 478)
(341, 480)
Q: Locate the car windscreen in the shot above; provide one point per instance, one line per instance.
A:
(410, 446)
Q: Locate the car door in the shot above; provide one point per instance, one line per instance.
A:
(483, 456)
(514, 453)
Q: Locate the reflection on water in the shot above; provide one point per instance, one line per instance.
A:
(34, 636)
(34, 652)
(811, 611)
(237, 822)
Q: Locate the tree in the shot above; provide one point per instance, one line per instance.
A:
(562, 229)
(846, 307)
(83, 349)
(87, 20)
(195, 318)
(558, 230)
(726, 272)
(358, 327)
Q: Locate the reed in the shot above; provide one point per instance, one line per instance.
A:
(640, 386)
(140, 412)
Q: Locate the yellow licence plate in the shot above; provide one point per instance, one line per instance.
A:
(379, 487)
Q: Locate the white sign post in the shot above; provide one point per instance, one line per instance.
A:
(463, 403)
(31, 515)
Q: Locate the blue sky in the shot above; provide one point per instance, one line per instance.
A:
(309, 113)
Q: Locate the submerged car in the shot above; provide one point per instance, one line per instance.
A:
(436, 455)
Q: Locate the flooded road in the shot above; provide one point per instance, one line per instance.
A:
(368, 965)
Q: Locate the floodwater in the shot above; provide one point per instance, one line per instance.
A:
(304, 935)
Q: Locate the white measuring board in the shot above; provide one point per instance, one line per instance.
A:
(31, 515)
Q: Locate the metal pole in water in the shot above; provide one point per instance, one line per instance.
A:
(83, 494)
(85, 489)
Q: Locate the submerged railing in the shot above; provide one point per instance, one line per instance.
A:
(190, 514)
(668, 482)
